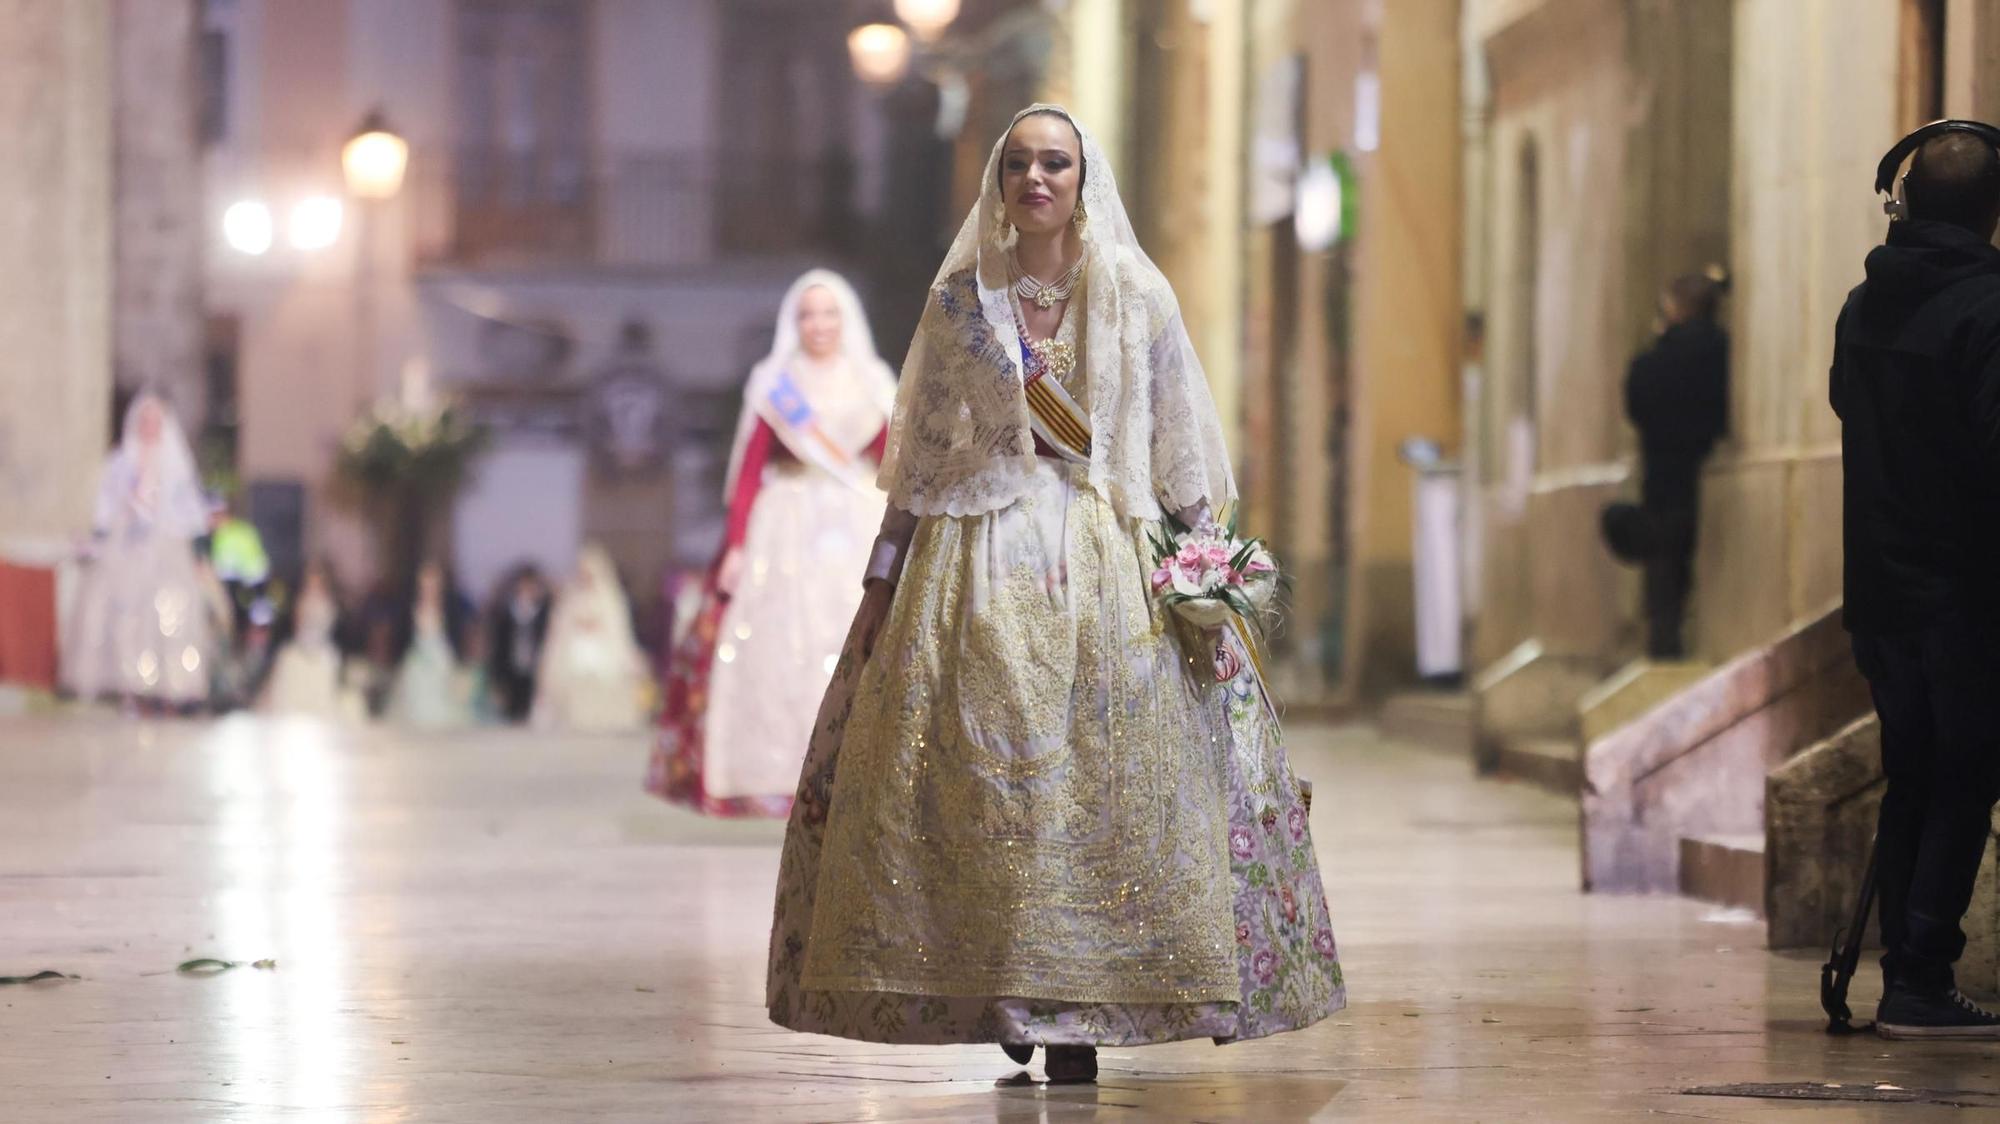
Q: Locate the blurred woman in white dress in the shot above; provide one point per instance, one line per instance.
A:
(431, 690)
(744, 683)
(593, 676)
(305, 678)
(141, 629)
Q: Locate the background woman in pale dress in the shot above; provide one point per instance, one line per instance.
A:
(593, 676)
(744, 683)
(305, 678)
(431, 690)
(141, 629)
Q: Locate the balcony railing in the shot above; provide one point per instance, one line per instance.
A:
(634, 209)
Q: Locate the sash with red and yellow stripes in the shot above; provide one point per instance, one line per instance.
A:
(1055, 417)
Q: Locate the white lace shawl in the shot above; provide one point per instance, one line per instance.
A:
(960, 444)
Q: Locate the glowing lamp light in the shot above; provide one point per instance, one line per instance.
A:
(374, 160)
(246, 226)
(928, 18)
(1317, 212)
(315, 223)
(880, 53)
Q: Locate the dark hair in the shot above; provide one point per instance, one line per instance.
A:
(1955, 179)
(1699, 295)
(1082, 165)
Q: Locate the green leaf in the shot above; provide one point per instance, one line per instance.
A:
(206, 966)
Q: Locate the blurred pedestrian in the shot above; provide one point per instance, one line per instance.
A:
(141, 629)
(429, 691)
(520, 625)
(1677, 397)
(306, 674)
(1916, 382)
(803, 507)
(593, 676)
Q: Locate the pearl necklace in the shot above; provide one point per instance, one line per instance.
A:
(1030, 289)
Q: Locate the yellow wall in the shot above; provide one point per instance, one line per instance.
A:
(1809, 125)
(1405, 373)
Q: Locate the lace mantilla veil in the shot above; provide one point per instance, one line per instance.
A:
(158, 484)
(960, 442)
(866, 376)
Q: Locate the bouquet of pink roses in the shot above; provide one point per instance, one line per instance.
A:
(1207, 573)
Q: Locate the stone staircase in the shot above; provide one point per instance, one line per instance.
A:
(1440, 720)
(1527, 722)
(1725, 869)
(1686, 777)
(1820, 809)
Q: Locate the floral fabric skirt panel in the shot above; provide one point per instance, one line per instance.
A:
(744, 683)
(1030, 819)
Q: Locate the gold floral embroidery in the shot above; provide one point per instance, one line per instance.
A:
(1089, 869)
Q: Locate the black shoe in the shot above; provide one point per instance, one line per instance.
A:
(1908, 1013)
(1071, 1065)
(1020, 1053)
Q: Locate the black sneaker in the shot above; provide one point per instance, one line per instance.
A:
(1905, 1013)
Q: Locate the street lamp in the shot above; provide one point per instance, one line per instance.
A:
(928, 18)
(315, 223)
(247, 227)
(880, 53)
(374, 159)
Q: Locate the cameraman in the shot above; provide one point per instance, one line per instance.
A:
(1916, 382)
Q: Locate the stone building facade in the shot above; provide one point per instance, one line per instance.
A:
(99, 270)
(1322, 357)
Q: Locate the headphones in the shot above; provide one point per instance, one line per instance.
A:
(1886, 180)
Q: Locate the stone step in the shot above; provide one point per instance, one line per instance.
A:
(1727, 869)
(1551, 761)
(1433, 719)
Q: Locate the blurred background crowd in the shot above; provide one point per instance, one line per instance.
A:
(478, 282)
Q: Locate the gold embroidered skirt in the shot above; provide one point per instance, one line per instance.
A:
(1031, 797)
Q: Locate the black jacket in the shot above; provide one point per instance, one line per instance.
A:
(1916, 382)
(1677, 397)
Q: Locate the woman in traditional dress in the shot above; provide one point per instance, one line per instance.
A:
(305, 677)
(744, 684)
(593, 675)
(431, 690)
(1038, 810)
(142, 630)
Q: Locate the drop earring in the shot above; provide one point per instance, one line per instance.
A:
(1080, 218)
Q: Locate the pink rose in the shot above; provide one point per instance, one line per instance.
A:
(1323, 943)
(1296, 820)
(1291, 904)
(1243, 932)
(1264, 965)
(1241, 842)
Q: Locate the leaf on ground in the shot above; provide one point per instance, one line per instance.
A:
(210, 966)
(206, 966)
(45, 976)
